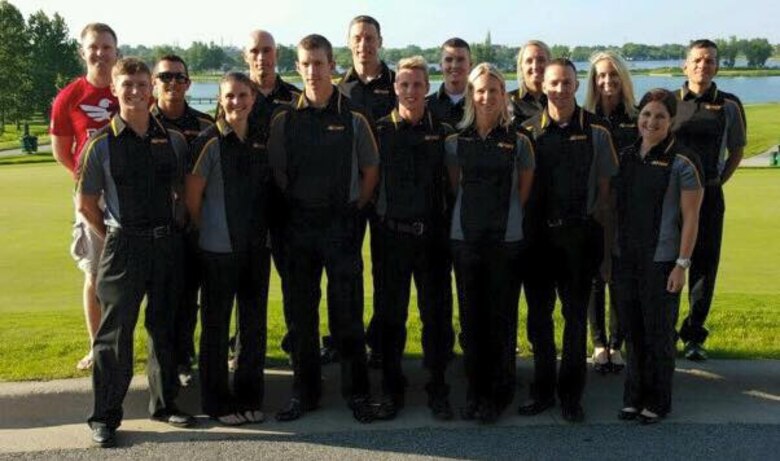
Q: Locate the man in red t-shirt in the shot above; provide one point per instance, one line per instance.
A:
(80, 109)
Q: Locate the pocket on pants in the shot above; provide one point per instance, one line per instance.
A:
(79, 247)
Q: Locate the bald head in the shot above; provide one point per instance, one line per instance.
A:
(260, 56)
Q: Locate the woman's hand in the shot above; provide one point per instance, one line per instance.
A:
(676, 280)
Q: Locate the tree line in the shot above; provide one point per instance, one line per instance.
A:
(38, 57)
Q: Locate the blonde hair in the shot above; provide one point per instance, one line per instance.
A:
(413, 63)
(521, 88)
(469, 113)
(626, 86)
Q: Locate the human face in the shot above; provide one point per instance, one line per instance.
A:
(364, 41)
(411, 86)
(654, 123)
(701, 66)
(260, 56)
(607, 79)
(315, 69)
(455, 65)
(99, 51)
(532, 65)
(134, 92)
(489, 98)
(560, 84)
(236, 100)
(177, 84)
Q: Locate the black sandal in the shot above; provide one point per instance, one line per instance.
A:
(628, 414)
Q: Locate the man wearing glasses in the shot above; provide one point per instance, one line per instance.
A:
(171, 82)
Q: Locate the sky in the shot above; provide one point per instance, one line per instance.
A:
(426, 23)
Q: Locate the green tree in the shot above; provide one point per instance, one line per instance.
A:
(14, 66)
(757, 51)
(560, 51)
(728, 51)
(285, 58)
(50, 44)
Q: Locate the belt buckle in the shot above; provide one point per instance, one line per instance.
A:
(418, 227)
(555, 222)
(160, 232)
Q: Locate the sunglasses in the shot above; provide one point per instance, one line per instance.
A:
(168, 77)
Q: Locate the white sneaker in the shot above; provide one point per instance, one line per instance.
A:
(600, 359)
(616, 360)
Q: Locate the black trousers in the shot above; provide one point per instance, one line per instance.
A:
(704, 265)
(488, 281)
(599, 334)
(186, 317)
(279, 252)
(243, 277)
(423, 258)
(130, 268)
(331, 243)
(650, 314)
(563, 261)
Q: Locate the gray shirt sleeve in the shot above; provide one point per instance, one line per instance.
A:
(451, 150)
(92, 180)
(606, 161)
(365, 142)
(277, 154)
(524, 155)
(687, 173)
(207, 158)
(736, 136)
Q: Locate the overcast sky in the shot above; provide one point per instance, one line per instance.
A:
(424, 22)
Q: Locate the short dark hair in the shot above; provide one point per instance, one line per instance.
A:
(317, 42)
(456, 42)
(702, 43)
(173, 58)
(563, 62)
(130, 66)
(98, 28)
(368, 20)
(663, 96)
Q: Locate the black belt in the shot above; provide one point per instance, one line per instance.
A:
(416, 228)
(157, 232)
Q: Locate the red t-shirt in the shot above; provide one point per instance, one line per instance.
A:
(79, 110)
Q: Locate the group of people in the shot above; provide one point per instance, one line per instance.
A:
(508, 189)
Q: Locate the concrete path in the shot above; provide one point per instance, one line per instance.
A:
(41, 416)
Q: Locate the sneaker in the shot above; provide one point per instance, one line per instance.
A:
(600, 359)
(616, 362)
(695, 352)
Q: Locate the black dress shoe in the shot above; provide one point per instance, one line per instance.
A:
(388, 407)
(174, 418)
(440, 407)
(534, 407)
(487, 413)
(470, 412)
(628, 414)
(104, 437)
(363, 409)
(293, 410)
(573, 413)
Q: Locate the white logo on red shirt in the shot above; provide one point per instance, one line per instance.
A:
(99, 113)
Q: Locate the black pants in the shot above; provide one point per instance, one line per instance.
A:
(563, 260)
(330, 243)
(187, 307)
(424, 259)
(279, 253)
(597, 318)
(650, 313)
(130, 268)
(488, 282)
(704, 265)
(242, 276)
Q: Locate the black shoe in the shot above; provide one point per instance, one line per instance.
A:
(363, 409)
(293, 410)
(628, 414)
(328, 355)
(534, 407)
(375, 360)
(470, 412)
(440, 407)
(103, 437)
(573, 413)
(647, 417)
(695, 352)
(388, 407)
(487, 413)
(175, 418)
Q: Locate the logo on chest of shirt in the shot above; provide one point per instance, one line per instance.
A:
(381, 91)
(432, 137)
(577, 137)
(713, 106)
(336, 128)
(159, 141)
(505, 145)
(659, 163)
(99, 113)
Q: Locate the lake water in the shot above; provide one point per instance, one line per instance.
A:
(751, 90)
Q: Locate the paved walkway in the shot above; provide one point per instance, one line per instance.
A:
(38, 416)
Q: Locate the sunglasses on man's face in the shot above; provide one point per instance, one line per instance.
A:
(168, 77)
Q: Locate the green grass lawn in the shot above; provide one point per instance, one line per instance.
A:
(42, 334)
(9, 139)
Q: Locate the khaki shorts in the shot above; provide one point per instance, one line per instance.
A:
(87, 246)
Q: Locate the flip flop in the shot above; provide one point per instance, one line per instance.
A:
(231, 419)
(254, 416)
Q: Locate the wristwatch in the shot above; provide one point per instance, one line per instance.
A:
(685, 263)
